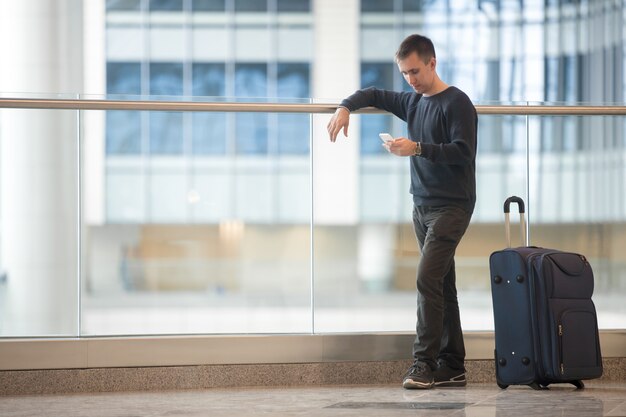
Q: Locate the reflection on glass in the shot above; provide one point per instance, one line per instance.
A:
(301, 6)
(250, 5)
(293, 80)
(209, 129)
(293, 129)
(251, 136)
(123, 132)
(379, 75)
(123, 78)
(209, 79)
(166, 127)
(377, 5)
(370, 127)
(293, 134)
(209, 134)
(123, 5)
(208, 5)
(165, 133)
(166, 5)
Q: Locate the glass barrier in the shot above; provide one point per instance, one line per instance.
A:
(365, 251)
(39, 238)
(231, 222)
(201, 223)
(577, 199)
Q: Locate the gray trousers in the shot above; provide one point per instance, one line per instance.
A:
(439, 339)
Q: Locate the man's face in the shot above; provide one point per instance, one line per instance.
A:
(420, 76)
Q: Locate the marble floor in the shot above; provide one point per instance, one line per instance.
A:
(597, 399)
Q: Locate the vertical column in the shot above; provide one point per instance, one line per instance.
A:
(336, 166)
(336, 74)
(94, 81)
(38, 229)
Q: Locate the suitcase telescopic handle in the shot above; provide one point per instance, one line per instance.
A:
(507, 221)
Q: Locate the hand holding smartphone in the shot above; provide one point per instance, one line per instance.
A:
(386, 137)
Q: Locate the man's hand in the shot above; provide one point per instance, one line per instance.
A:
(401, 147)
(340, 120)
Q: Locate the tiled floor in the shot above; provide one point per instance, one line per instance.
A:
(597, 399)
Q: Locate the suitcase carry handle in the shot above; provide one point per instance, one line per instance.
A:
(522, 221)
(514, 199)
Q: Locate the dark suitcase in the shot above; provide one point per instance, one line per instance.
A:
(546, 328)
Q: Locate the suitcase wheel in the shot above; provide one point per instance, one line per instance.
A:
(578, 384)
(501, 385)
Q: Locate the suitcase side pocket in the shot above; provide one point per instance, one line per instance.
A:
(580, 353)
(576, 335)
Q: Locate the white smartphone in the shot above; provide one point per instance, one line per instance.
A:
(385, 137)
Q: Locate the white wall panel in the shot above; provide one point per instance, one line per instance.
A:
(167, 44)
(252, 45)
(295, 44)
(377, 45)
(124, 44)
(211, 44)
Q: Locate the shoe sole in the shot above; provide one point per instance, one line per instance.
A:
(445, 384)
(456, 381)
(410, 384)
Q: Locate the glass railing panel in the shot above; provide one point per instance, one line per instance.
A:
(198, 222)
(501, 171)
(360, 205)
(577, 199)
(365, 251)
(39, 238)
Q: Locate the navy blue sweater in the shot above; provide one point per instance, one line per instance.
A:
(445, 124)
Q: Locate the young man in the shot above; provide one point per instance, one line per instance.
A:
(441, 146)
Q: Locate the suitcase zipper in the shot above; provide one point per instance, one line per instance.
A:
(534, 262)
(561, 367)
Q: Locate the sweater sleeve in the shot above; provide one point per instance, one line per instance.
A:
(391, 101)
(460, 149)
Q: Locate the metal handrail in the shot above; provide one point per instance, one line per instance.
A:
(101, 104)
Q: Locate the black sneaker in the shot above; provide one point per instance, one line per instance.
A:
(448, 377)
(419, 376)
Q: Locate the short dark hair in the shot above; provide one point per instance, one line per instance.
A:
(419, 44)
